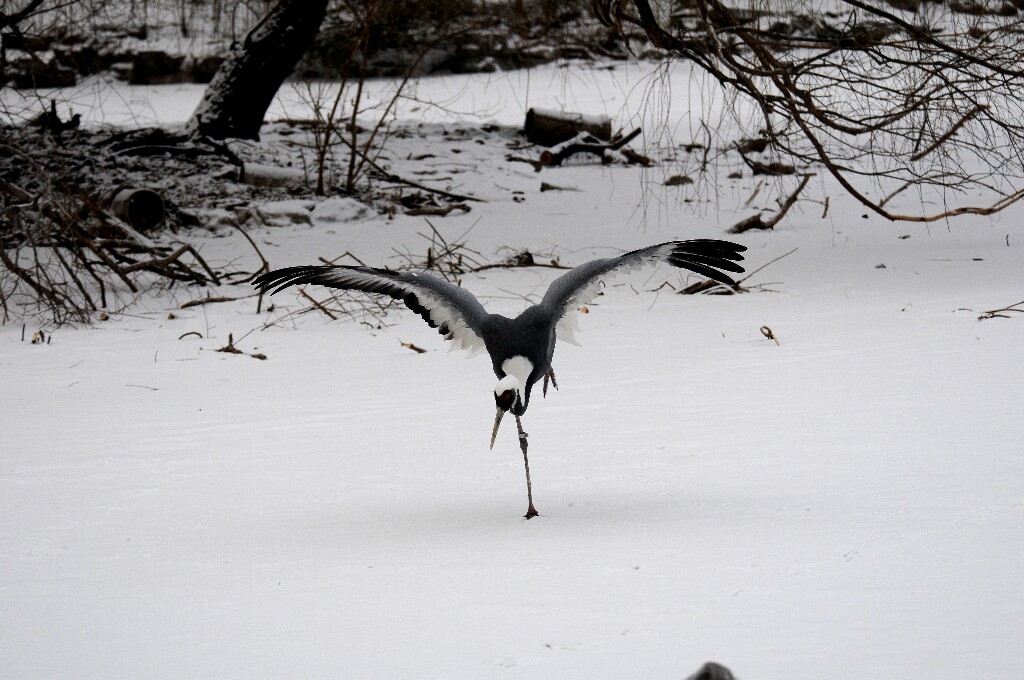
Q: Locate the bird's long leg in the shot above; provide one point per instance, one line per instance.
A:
(531, 511)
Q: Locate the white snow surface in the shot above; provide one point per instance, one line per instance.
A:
(845, 504)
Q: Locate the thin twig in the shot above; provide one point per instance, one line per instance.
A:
(1002, 312)
(317, 304)
(766, 264)
(209, 300)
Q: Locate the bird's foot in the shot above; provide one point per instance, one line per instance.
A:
(550, 375)
(531, 513)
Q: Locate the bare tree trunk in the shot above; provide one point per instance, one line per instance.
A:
(241, 91)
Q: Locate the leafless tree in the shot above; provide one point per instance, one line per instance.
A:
(883, 99)
(241, 91)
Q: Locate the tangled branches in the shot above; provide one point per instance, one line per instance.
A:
(927, 98)
(64, 256)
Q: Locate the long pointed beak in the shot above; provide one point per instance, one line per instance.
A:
(497, 422)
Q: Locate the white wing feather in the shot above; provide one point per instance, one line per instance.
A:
(568, 324)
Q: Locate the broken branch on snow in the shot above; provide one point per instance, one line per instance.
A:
(1003, 312)
(584, 143)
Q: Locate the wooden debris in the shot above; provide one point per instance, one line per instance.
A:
(775, 168)
(704, 286)
(747, 145)
(1003, 312)
(316, 303)
(636, 158)
(414, 348)
(678, 180)
(208, 300)
(544, 186)
(756, 222)
(584, 143)
(536, 165)
(752, 222)
(231, 349)
(438, 211)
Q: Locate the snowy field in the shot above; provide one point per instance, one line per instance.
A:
(847, 504)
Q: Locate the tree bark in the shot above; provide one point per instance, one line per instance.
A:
(241, 91)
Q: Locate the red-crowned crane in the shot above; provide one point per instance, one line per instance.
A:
(521, 349)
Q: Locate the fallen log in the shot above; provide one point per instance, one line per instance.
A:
(546, 127)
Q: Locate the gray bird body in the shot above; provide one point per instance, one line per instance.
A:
(521, 349)
(530, 335)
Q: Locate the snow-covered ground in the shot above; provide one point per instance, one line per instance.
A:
(845, 504)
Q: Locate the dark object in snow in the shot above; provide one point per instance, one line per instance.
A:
(414, 348)
(752, 222)
(635, 158)
(51, 121)
(545, 186)
(712, 671)
(520, 349)
(154, 66)
(231, 349)
(759, 145)
(28, 74)
(547, 128)
(678, 180)
(141, 208)
(773, 169)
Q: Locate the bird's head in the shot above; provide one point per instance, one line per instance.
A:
(506, 394)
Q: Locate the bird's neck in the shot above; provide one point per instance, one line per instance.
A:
(519, 367)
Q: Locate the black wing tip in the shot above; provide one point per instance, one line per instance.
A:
(280, 279)
(710, 245)
(708, 257)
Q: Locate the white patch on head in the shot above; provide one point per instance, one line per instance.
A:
(507, 383)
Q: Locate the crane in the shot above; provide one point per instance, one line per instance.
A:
(521, 349)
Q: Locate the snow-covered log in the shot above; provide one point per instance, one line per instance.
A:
(547, 128)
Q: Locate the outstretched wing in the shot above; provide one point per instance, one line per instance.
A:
(453, 311)
(707, 257)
